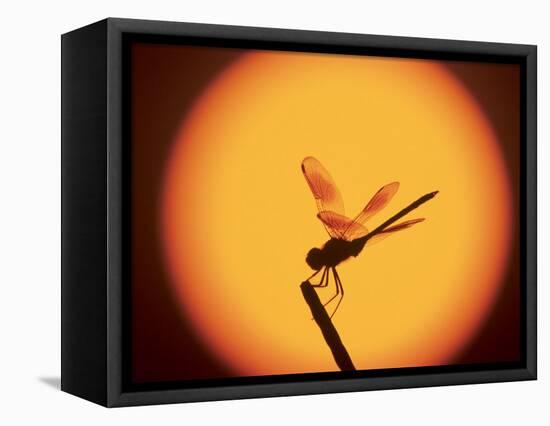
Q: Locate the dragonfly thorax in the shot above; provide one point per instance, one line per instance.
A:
(333, 252)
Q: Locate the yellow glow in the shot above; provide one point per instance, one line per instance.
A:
(238, 216)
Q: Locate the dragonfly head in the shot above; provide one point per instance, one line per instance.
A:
(314, 259)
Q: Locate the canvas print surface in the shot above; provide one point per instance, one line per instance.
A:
(297, 212)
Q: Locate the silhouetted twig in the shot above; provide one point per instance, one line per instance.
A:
(324, 322)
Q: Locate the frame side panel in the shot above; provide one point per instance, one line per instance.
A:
(116, 202)
(83, 212)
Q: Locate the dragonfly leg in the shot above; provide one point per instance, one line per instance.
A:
(315, 273)
(312, 275)
(339, 284)
(325, 284)
(324, 278)
(337, 289)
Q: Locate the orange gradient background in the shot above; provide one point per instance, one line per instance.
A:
(237, 217)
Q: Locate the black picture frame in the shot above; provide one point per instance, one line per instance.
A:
(95, 170)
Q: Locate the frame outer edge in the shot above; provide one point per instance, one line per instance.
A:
(327, 38)
(531, 208)
(114, 212)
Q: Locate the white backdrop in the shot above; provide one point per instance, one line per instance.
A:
(30, 211)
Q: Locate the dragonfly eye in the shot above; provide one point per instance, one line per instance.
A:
(314, 259)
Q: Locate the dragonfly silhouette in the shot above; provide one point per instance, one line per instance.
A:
(348, 236)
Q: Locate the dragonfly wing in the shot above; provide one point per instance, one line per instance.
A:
(393, 229)
(377, 202)
(324, 190)
(403, 225)
(340, 226)
(354, 230)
